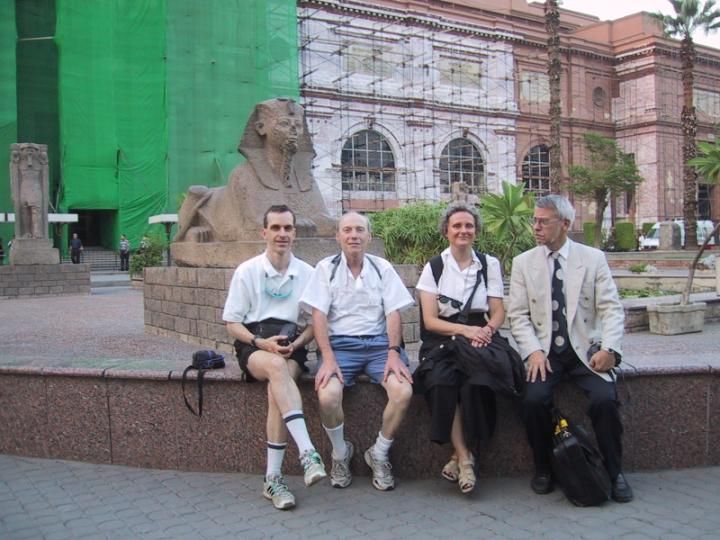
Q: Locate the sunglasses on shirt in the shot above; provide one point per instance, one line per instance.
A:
(457, 304)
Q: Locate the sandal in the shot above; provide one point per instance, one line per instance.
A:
(466, 476)
(451, 470)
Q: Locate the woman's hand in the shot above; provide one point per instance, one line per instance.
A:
(479, 336)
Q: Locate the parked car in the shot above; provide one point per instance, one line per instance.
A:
(652, 239)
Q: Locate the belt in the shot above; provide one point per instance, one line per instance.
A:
(356, 337)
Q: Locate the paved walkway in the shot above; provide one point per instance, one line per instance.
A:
(61, 499)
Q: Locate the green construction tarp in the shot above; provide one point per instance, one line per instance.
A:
(8, 110)
(224, 56)
(139, 99)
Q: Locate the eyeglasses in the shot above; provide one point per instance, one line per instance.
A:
(279, 292)
(544, 222)
(457, 304)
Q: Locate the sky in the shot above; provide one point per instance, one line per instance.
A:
(614, 9)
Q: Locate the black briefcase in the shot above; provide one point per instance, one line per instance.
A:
(578, 465)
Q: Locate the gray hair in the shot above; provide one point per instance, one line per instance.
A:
(353, 213)
(561, 205)
(454, 208)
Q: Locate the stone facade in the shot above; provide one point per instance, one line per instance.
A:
(24, 281)
(424, 73)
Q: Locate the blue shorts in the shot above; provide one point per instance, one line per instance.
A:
(365, 354)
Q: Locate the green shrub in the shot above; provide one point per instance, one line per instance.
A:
(646, 227)
(589, 232)
(638, 268)
(412, 236)
(625, 236)
(151, 255)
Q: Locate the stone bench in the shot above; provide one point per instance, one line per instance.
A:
(138, 418)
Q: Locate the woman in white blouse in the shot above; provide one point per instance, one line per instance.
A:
(461, 400)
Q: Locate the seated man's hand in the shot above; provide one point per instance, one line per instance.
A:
(395, 365)
(602, 361)
(272, 345)
(537, 365)
(328, 368)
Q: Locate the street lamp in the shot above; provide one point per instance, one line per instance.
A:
(168, 220)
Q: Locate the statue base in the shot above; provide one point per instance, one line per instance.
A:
(33, 251)
(231, 254)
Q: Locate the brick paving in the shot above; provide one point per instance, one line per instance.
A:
(53, 499)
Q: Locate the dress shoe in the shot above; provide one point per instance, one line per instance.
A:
(542, 483)
(621, 490)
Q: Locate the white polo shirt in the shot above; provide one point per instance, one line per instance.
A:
(356, 306)
(458, 284)
(258, 291)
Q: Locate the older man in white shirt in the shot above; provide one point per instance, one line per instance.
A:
(355, 300)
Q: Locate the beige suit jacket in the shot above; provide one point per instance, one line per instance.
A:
(594, 311)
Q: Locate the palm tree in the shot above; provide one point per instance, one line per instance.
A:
(690, 15)
(552, 25)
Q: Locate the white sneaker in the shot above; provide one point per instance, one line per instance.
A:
(382, 472)
(340, 475)
(275, 489)
(314, 467)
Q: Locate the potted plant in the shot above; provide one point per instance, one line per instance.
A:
(686, 317)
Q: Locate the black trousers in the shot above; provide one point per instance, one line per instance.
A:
(124, 260)
(75, 256)
(603, 411)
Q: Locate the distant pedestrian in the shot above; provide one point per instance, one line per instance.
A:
(76, 248)
(124, 253)
(2, 253)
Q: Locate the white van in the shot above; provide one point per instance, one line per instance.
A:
(704, 228)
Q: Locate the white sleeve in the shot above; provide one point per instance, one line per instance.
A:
(495, 286)
(238, 302)
(427, 281)
(317, 291)
(396, 297)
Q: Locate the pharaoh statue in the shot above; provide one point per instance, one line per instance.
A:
(219, 226)
(29, 184)
(29, 177)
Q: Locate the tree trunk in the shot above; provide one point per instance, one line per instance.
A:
(600, 206)
(689, 131)
(552, 25)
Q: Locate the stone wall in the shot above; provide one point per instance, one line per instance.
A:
(138, 418)
(24, 281)
(187, 304)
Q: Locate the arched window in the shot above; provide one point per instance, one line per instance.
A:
(367, 163)
(536, 170)
(461, 161)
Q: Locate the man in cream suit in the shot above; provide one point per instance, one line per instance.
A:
(567, 320)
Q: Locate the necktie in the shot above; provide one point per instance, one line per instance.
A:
(559, 314)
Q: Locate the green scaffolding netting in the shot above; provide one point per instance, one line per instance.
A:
(8, 110)
(138, 99)
(223, 57)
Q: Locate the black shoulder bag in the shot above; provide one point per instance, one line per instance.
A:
(202, 361)
(577, 464)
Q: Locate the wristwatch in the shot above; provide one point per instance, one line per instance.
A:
(617, 355)
(253, 341)
(395, 348)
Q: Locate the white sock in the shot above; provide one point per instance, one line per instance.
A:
(381, 447)
(275, 455)
(295, 422)
(337, 439)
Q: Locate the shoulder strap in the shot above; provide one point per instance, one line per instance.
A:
(483, 261)
(336, 262)
(437, 266)
(200, 376)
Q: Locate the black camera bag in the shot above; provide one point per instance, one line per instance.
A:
(577, 464)
(201, 361)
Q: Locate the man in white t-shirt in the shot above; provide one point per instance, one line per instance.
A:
(262, 314)
(355, 300)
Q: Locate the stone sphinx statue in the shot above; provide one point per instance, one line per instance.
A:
(29, 183)
(221, 226)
